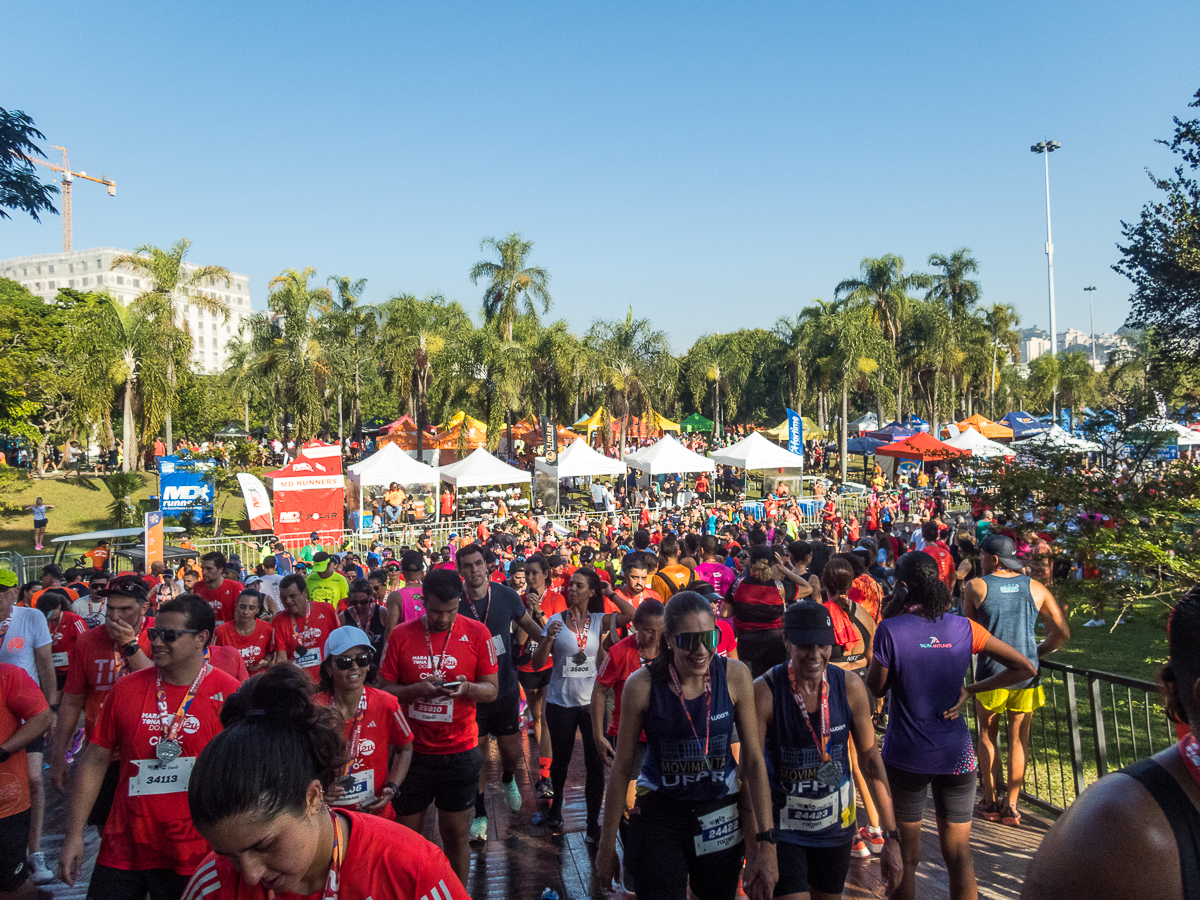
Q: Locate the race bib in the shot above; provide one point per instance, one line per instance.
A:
(498, 643)
(156, 777)
(362, 791)
(579, 670)
(432, 710)
(809, 814)
(308, 658)
(719, 830)
(59, 660)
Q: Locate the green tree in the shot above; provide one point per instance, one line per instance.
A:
(351, 331)
(170, 283)
(1043, 382)
(20, 187)
(123, 512)
(1076, 381)
(510, 282)
(1001, 320)
(723, 363)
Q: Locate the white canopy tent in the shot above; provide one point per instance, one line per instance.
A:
(1056, 439)
(756, 452)
(480, 469)
(580, 460)
(1185, 437)
(389, 464)
(977, 445)
(668, 456)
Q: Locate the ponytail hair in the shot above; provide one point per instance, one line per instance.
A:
(919, 573)
(275, 743)
(681, 605)
(596, 586)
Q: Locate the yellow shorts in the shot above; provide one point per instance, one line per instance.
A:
(1022, 700)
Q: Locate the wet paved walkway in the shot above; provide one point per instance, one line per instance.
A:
(520, 860)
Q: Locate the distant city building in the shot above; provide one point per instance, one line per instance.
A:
(91, 270)
(1035, 342)
(1032, 347)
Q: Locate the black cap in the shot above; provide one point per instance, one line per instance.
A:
(412, 561)
(1002, 547)
(126, 586)
(808, 622)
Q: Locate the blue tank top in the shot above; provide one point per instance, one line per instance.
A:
(675, 764)
(807, 811)
(1009, 613)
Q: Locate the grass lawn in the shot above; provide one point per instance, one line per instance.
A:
(1136, 649)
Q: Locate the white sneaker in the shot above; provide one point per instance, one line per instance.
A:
(38, 872)
(1093, 623)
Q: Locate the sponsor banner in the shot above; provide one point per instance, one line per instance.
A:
(154, 538)
(258, 504)
(183, 488)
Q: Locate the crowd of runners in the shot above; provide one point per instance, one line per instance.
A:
(756, 704)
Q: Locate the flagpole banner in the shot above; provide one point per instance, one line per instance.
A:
(549, 440)
(258, 504)
(154, 538)
(184, 489)
(795, 432)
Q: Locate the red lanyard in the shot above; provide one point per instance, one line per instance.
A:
(296, 630)
(486, 606)
(333, 883)
(358, 618)
(358, 717)
(4, 625)
(825, 728)
(581, 637)
(172, 728)
(707, 710)
(438, 671)
(1189, 752)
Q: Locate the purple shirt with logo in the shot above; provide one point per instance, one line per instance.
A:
(926, 662)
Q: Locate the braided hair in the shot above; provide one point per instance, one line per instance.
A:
(918, 572)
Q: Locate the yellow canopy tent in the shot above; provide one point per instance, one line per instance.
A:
(459, 417)
(780, 431)
(654, 420)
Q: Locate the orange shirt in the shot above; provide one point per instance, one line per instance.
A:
(20, 700)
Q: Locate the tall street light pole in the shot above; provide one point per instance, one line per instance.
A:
(1046, 148)
(1092, 317)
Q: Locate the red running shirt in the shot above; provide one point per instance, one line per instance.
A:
(445, 725)
(222, 599)
(621, 662)
(383, 727)
(553, 602)
(66, 633)
(229, 661)
(254, 647)
(20, 700)
(945, 562)
(312, 631)
(150, 826)
(93, 666)
(383, 860)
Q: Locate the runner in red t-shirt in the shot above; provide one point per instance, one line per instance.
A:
(24, 717)
(439, 667)
(65, 630)
(939, 552)
(374, 727)
(156, 721)
(542, 603)
(301, 628)
(252, 637)
(220, 592)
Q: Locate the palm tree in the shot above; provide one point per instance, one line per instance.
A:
(241, 375)
(353, 329)
(856, 348)
(123, 512)
(1076, 381)
(169, 282)
(637, 368)
(1001, 321)
(510, 282)
(883, 287)
(723, 362)
(958, 293)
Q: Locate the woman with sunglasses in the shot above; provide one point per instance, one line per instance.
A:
(247, 633)
(258, 796)
(364, 612)
(374, 726)
(573, 642)
(686, 824)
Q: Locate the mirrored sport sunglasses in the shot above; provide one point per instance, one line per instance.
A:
(345, 663)
(691, 641)
(169, 635)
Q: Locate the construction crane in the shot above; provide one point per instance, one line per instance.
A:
(68, 177)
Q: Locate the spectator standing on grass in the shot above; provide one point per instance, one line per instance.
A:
(39, 521)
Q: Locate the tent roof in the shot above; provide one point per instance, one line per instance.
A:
(986, 427)
(666, 456)
(892, 431)
(405, 422)
(868, 419)
(1023, 424)
(977, 445)
(756, 452)
(533, 435)
(864, 446)
(473, 432)
(780, 431)
(481, 468)
(1185, 436)
(578, 460)
(696, 422)
(1056, 438)
(922, 446)
(590, 423)
(389, 464)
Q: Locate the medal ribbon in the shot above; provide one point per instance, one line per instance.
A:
(438, 671)
(581, 637)
(1189, 752)
(707, 711)
(486, 606)
(171, 730)
(358, 717)
(823, 741)
(296, 630)
(333, 884)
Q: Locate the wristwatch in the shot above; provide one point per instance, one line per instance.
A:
(892, 834)
(770, 836)
(395, 788)
(4, 755)
(130, 649)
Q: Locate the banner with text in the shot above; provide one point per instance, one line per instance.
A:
(154, 538)
(258, 504)
(795, 432)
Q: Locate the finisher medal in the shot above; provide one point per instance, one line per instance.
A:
(830, 774)
(168, 750)
(346, 782)
(579, 658)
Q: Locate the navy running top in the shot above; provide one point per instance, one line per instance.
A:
(807, 811)
(675, 764)
(1010, 613)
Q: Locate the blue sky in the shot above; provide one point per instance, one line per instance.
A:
(714, 166)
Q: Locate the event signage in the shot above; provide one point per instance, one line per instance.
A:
(549, 440)
(185, 489)
(258, 504)
(154, 538)
(795, 432)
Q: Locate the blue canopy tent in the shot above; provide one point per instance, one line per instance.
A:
(916, 424)
(892, 432)
(864, 447)
(1023, 424)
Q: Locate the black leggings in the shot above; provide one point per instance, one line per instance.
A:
(562, 722)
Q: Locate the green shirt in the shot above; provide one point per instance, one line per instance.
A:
(307, 552)
(332, 590)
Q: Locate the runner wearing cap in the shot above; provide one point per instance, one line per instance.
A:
(101, 656)
(439, 667)
(685, 829)
(326, 584)
(1008, 604)
(219, 592)
(156, 721)
(302, 627)
(258, 797)
(247, 633)
(542, 602)
(375, 726)
(24, 718)
(808, 711)
(308, 552)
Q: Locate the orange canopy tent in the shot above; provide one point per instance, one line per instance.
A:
(533, 436)
(921, 446)
(987, 427)
(469, 433)
(402, 422)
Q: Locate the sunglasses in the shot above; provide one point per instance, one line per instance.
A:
(345, 663)
(169, 635)
(360, 603)
(691, 641)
